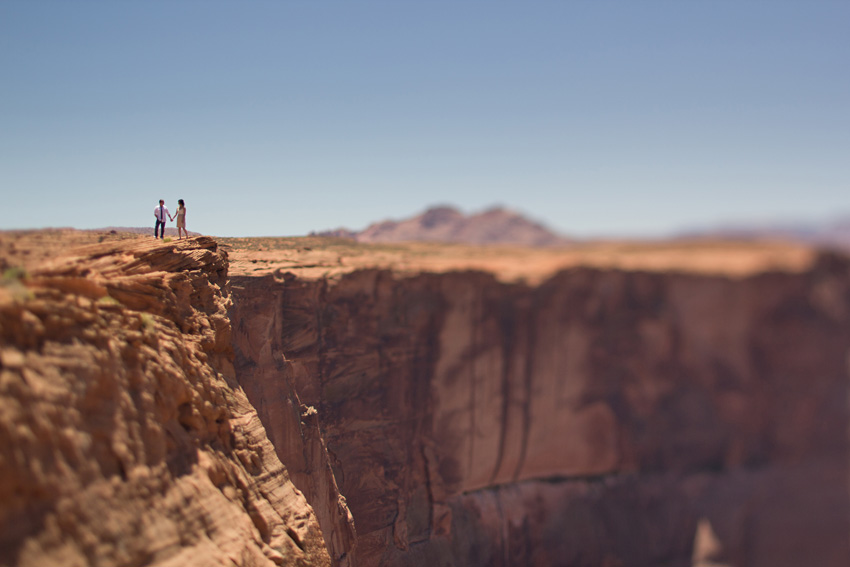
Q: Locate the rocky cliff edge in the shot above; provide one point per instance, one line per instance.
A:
(616, 415)
(124, 438)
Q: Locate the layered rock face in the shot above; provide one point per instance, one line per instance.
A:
(601, 418)
(124, 437)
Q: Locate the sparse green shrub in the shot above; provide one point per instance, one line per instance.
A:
(148, 323)
(15, 273)
(13, 280)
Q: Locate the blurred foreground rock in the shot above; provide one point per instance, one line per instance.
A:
(603, 417)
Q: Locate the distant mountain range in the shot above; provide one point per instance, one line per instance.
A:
(447, 224)
(499, 225)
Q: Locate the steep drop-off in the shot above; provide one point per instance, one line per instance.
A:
(603, 417)
(154, 411)
(124, 437)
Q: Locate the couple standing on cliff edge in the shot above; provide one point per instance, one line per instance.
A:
(161, 212)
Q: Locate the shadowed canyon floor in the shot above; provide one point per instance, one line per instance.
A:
(631, 404)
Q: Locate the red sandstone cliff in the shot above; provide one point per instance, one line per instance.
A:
(124, 437)
(601, 418)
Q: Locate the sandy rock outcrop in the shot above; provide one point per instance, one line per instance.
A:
(124, 437)
(604, 417)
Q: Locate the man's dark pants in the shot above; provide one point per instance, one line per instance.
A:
(159, 226)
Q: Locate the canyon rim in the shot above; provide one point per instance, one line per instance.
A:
(317, 402)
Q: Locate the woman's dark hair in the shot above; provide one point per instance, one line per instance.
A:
(180, 201)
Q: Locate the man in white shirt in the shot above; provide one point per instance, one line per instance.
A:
(161, 214)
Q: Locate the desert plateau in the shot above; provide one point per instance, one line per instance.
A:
(320, 401)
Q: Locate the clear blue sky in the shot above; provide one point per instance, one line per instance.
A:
(283, 117)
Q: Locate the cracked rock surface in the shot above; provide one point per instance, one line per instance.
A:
(124, 438)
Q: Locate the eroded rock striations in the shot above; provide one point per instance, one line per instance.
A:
(602, 418)
(124, 437)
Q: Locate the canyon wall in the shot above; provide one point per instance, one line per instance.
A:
(603, 417)
(124, 437)
(156, 411)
